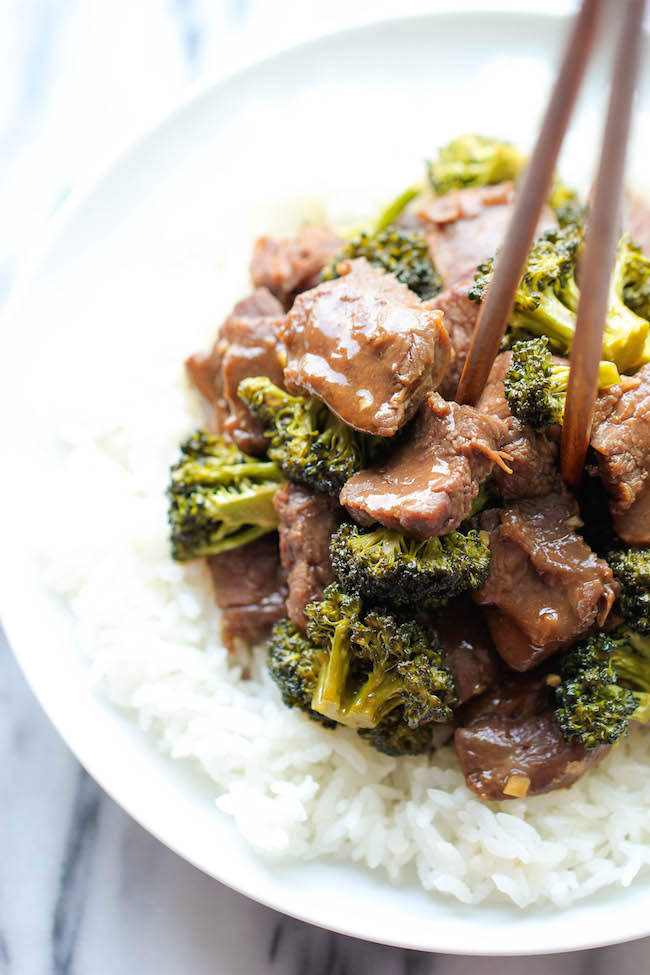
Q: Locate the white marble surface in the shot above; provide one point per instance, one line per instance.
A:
(84, 890)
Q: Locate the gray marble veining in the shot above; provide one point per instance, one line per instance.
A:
(83, 889)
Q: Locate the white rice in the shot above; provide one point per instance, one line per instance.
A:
(292, 788)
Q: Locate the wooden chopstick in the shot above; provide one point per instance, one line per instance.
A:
(602, 235)
(531, 197)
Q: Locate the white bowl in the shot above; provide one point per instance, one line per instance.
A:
(396, 88)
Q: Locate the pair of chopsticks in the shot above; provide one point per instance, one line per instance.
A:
(602, 231)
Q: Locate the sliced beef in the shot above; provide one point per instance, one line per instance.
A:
(546, 587)
(259, 304)
(307, 523)
(459, 319)
(633, 524)
(289, 265)
(636, 220)
(532, 457)
(250, 589)
(247, 345)
(464, 227)
(428, 484)
(621, 441)
(469, 651)
(250, 347)
(367, 346)
(202, 370)
(511, 745)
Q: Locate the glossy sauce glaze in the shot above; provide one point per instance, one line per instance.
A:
(546, 586)
(367, 346)
(428, 484)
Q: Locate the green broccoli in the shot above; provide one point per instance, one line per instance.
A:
(368, 665)
(408, 671)
(636, 290)
(386, 217)
(385, 567)
(566, 204)
(308, 442)
(547, 297)
(404, 253)
(628, 306)
(474, 160)
(329, 627)
(631, 566)
(294, 663)
(375, 664)
(535, 385)
(219, 498)
(367, 671)
(605, 684)
(392, 736)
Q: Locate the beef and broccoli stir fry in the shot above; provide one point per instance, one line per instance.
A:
(418, 568)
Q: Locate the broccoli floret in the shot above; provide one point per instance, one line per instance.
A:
(385, 567)
(535, 385)
(566, 204)
(219, 498)
(605, 684)
(386, 216)
(392, 736)
(391, 212)
(364, 670)
(407, 670)
(474, 160)
(329, 625)
(636, 289)
(374, 664)
(404, 253)
(624, 328)
(631, 566)
(294, 663)
(547, 297)
(308, 442)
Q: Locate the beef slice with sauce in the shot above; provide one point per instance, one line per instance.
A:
(620, 439)
(465, 227)
(307, 522)
(250, 589)
(250, 348)
(633, 525)
(367, 346)
(459, 319)
(427, 485)
(247, 345)
(468, 647)
(546, 587)
(511, 746)
(289, 265)
(532, 457)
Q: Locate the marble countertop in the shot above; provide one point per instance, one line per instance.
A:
(83, 889)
